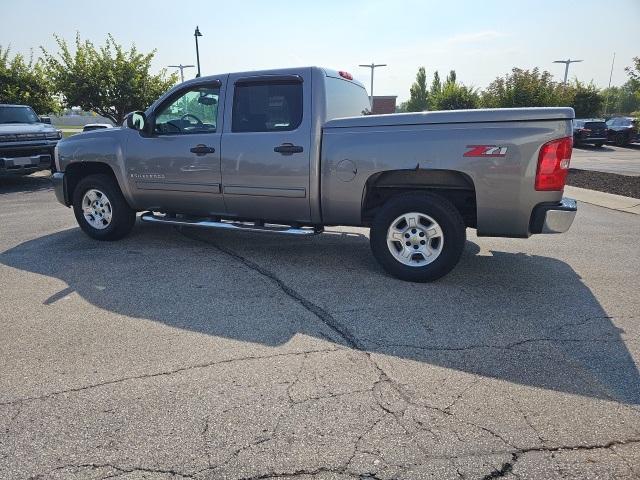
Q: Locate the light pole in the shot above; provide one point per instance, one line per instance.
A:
(566, 67)
(197, 34)
(606, 102)
(373, 66)
(181, 67)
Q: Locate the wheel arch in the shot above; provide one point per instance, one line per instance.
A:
(74, 172)
(457, 187)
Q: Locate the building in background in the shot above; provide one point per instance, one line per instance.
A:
(384, 104)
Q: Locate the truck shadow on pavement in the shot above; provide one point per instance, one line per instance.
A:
(520, 318)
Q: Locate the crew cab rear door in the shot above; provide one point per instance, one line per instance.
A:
(266, 145)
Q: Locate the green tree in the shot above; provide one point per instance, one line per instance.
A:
(108, 80)
(634, 76)
(586, 100)
(452, 95)
(620, 100)
(451, 78)
(436, 85)
(523, 88)
(455, 96)
(25, 82)
(419, 96)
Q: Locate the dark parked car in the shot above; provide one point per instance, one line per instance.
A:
(26, 143)
(623, 130)
(590, 131)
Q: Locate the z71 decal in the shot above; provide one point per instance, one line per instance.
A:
(486, 151)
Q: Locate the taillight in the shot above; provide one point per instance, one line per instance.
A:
(553, 164)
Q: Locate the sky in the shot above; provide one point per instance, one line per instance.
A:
(479, 39)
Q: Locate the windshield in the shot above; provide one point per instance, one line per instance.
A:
(18, 115)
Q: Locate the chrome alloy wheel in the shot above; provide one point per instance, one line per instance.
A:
(96, 209)
(415, 239)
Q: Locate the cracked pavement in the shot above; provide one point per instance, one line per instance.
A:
(182, 353)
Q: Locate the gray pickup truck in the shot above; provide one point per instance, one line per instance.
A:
(294, 150)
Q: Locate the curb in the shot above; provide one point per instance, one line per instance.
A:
(601, 199)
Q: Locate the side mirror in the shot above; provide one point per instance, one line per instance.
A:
(45, 119)
(136, 121)
(206, 100)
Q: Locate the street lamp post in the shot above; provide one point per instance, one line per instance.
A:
(373, 66)
(197, 34)
(606, 101)
(181, 67)
(566, 67)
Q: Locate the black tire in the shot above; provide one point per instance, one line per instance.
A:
(599, 144)
(440, 210)
(122, 216)
(620, 139)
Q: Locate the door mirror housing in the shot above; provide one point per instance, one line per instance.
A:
(136, 121)
(45, 119)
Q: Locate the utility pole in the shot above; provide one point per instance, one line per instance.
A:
(197, 34)
(606, 101)
(373, 66)
(566, 67)
(181, 67)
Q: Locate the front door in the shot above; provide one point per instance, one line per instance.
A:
(265, 147)
(175, 167)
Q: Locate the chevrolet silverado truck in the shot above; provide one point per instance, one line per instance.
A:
(292, 151)
(26, 142)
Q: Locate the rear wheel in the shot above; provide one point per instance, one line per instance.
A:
(100, 209)
(418, 237)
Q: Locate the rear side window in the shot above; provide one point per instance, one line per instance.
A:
(595, 125)
(267, 107)
(345, 99)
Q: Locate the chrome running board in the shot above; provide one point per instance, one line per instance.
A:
(230, 225)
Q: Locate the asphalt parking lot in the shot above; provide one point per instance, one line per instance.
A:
(195, 354)
(608, 158)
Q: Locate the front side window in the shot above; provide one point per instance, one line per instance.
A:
(267, 107)
(194, 111)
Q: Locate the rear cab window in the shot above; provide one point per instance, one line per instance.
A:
(267, 106)
(345, 99)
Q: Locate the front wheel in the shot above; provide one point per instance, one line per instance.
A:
(418, 237)
(100, 208)
(599, 144)
(621, 139)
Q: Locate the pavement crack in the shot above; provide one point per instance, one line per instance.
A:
(460, 395)
(120, 470)
(506, 468)
(162, 374)
(323, 315)
(527, 420)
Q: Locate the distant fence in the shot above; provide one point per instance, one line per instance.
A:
(77, 120)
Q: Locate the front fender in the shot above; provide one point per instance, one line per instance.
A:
(100, 146)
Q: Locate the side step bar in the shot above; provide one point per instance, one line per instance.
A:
(230, 225)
